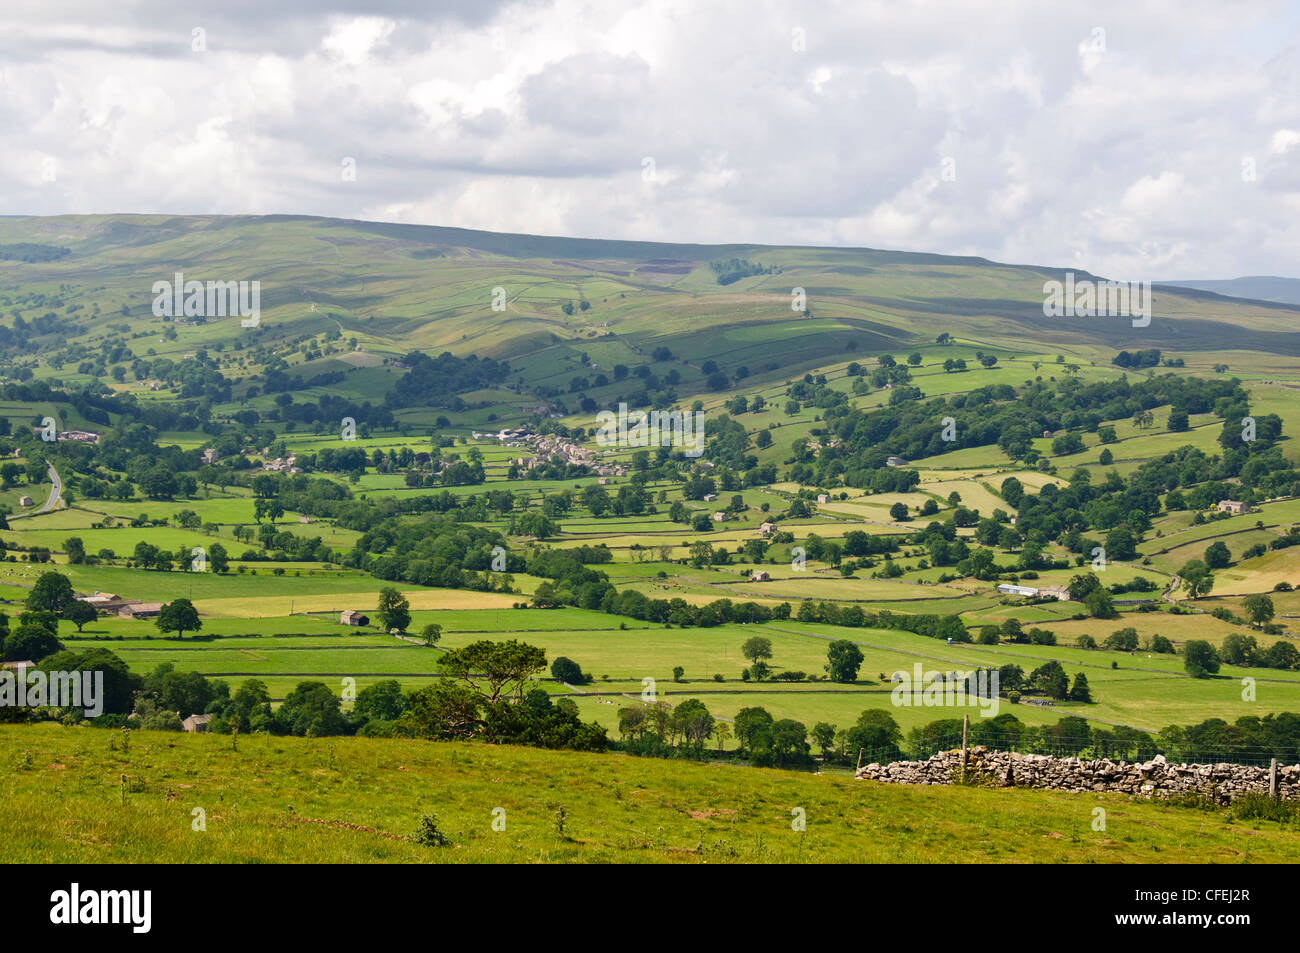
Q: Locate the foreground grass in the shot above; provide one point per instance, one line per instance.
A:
(73, 795)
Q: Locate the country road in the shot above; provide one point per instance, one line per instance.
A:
(56, 491)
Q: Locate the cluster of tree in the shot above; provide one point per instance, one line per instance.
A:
(729, 272)
(1137, 359)
(433, 551)
(436, 382)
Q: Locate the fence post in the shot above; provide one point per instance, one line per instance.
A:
(1272, 779)
(965, 728)
(859, 760)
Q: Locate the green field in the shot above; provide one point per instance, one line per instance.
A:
(292, 800)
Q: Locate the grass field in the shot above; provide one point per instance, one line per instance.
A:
(359, 800)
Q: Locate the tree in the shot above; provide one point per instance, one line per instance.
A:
(877, 734)
(843, 660)
(179, 616)
(31, 643)
(749, 724)
(1051, 680)
(757, 648)
(394, 610)
(1100, 604)
(898, 512)
(382, 701)
(823, 736)
(80, 612)
(218, 558)
(311, 710)
(1079, 690)
(502, 665)
(568, 671)
(692, 720)
(75, 549)
(1200, 659)
(431, 633)
(51, 593)
(1197, 578)
(1217, 555)
(1259, 608)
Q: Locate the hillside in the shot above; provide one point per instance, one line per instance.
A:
(352, 801)
(918, 468)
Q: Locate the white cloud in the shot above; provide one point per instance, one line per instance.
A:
(1118, 152)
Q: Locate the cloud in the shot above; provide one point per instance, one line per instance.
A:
(1112, 138)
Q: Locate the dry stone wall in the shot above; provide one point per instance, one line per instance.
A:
(1222, 783)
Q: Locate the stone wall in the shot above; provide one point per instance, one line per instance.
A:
(1156, 778)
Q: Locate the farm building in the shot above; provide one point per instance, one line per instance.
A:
(760, 575)
(602, 481)
(24, 501)
(1235, 507)
(720, 516)
(210, 455)
(767, 529)
(80, 436)
(1054, 592)
(353, 617)
(140, 610)
(196, 723)
(1007, 589)
(105, 601)
(710, 497)
(895, 462)
(823, 497)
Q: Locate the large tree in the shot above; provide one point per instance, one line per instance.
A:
(394, 610)
(843, 661)
(502, 665)
(51, 593)
(179, 616)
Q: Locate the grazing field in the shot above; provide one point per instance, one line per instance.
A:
(349, 801)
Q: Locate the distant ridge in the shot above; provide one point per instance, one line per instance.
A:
(1254, 287)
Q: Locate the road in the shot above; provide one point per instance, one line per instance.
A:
(56, 491)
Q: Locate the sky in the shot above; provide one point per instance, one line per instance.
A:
(1138, 140)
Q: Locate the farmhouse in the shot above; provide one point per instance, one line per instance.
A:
(767, 529)
(895, 462)
(105, 601)
(196, 723)
(720, 516)
(1235, 507)
(353, 617)
(140, 610)
(80, 436)
(1007, 589)
(760, 575)
(1054, 592)
(210, 455)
